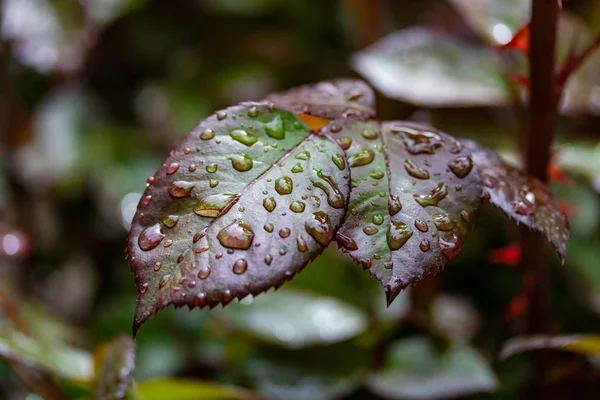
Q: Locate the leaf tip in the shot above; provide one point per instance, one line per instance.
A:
(392, 291)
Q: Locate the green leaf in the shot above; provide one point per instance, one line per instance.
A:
(522, 197)
(415, 197)
(295, 319)
(318, 373)
(115, 361)
(188, 389)
(429, 68)
(588, 345)
(330, 99)
(416, 369)
(240, 206)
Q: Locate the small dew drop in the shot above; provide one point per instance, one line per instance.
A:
(179, 189)
(284, 185)
(268, 259)
(172, 168)
(240, 266)
(301, 243)
(297, 206)
(269, 204)
(370, 230)
(207, 134)
(221, 115)
(268, 228)
(424, 245)
(212, 168)
(421, 225)
(284, 232)
(204, 273)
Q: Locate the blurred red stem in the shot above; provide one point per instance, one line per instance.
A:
(543, 103)
(574, 62)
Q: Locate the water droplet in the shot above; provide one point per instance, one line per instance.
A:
(269, 204)
(419, 141)
(157, 266)
(424, 245)
(221, 115)
(297, 206)
(211, 206)
(268, 228)
(377, 174)
(415, 171)
(253, 112)
(301, 243)
(150, 237)
(346, 241)
(241, 162)
(226, 297)
(183, 255)
(240, 266)
(284, 232)
(164, 280)
(337, 199)
(297, 168)
(303, 155)
(443, 222)
(451, 247)
(187, 151)
(370, 230)
(362, 157)
(394, 205)
(370, 134)
(237, 235)
(284, 185)
(522, 208)
(377, 219)
(212, 168)
(192, 168)
(345, 142)
(149, 181)
(200, 300)
(243, 137)
(180, 189)
(144, 287)
(335, 128)
(338, 160)
(172, 168)
(204, 273)
(432, 199)
(275, 128)
(465, 216)
(200, 250)
(168, 243)
(319, 228)
(461, 166)
(147, 200)
(268, 259)
(171, 221)
(421, 225)
(282, 252)
(213, 183)
(398, 234)
(207, 134)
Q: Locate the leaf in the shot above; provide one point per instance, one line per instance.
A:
(329, 99)
(318, 373)
(522, 197)
(588, 345)
(115, 362)
(240, 206)
(415, 196)
(415, 369)
(296, 319)
(188, 389)
(428, 68)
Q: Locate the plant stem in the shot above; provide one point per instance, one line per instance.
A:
(543, 103)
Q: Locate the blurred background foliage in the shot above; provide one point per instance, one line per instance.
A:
(93, 94)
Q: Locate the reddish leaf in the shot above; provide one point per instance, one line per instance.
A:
(520, 41)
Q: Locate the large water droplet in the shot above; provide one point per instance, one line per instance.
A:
(269, 204)
(180, 189)
(420, 142)
(237, 235)
(211, 206)
(297, 206)
(421, 225)
(461, 166)
(301, 243)
(377, 219)
(338, 160)
(241, 162)
(284, 185)
(243, 137)
(346, 241)
(362, 157)
(240, 266)
(204, 272)
(443, 222)
(398, 234)
(150, 237)
(432, 199)
(212, 168)
(394, 205)
(370, 230)
(451, 247)
(171, 221)
(345, 142)
(275, 128)
(335, 199)
(319, 228)
(284, 232)
(415, 171)
(207, 134)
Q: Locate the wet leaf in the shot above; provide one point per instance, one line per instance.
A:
(588, 345)
(295, 319)
(424, 67)
(240, 206)
(318, 373)
(522, 197)
(114, 363)
(188, 389)
(416, 369)
(340, 98)
(409, 216)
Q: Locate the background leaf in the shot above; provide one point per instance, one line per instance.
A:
(588, 345)
(115, 361)
(189, 389)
